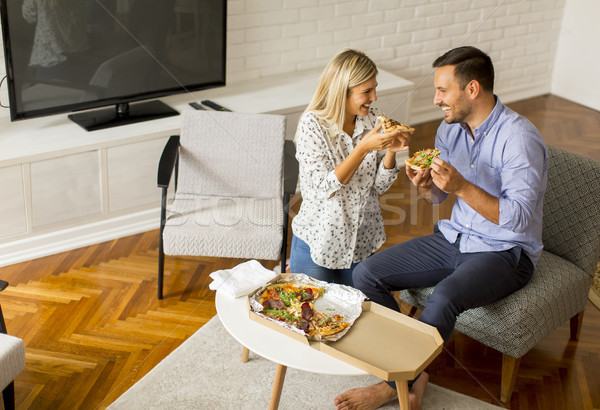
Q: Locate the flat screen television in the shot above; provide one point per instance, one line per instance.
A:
(72, 55)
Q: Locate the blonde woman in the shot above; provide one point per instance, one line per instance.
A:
(345, 163)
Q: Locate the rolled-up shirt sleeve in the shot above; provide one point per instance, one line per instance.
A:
(313, 159)
(385, 177)
(522, 181)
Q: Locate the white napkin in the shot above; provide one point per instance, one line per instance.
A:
(242, 279)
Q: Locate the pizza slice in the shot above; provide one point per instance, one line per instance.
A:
(288, 292)
(327, 325)
(390, 125)
(422, 159)
(293, 304)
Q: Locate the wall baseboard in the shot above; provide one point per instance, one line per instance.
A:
(587, 100)
(79, 236)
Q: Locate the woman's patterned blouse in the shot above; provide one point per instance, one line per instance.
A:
(341, 223)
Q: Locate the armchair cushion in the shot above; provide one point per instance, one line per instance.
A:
(572, 209)
(210, 225)
(231, 154)
(12, 359)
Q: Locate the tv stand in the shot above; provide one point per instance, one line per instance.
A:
(122, 114)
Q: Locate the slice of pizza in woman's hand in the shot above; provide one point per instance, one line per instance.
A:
(422, 159)
(389, 125)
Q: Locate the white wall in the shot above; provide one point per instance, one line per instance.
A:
(402, 36)
(269, 37)
(577, 59)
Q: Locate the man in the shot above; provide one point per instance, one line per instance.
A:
(495, 162)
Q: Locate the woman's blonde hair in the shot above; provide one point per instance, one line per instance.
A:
(346, 69)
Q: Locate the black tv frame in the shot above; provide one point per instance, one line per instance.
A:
(99, 114)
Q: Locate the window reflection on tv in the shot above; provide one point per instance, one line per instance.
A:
(66, 55)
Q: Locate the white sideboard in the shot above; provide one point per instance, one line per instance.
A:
(64, 187)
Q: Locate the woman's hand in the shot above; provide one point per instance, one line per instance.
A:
(401, 141)
(394, 141)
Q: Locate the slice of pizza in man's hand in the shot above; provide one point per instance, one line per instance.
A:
(389, 125)
(422, 159)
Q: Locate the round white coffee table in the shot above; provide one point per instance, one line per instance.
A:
(275, 346)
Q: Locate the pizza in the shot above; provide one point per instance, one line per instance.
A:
(293, 304)
(390, 125)
(422, 159)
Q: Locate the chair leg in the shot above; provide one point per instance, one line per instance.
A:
(510, 368)
(8, 396)
(161, 252)
(576, 322)
(161, 269)
(2, 323)
(284, 244)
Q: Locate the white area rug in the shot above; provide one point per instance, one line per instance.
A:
(206, 372)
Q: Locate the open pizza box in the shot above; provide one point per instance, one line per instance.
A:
(382, 342)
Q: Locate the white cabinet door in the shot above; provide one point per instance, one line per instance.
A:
(13, 218)
(132, 172)
(66, 188)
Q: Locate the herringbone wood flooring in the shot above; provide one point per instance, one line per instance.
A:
(92, 324)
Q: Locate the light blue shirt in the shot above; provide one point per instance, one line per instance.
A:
(508, 159)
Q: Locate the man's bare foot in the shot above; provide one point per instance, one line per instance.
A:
(363, 398)
(415, 396)
(376, 395)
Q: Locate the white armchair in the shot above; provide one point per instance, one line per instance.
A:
(229, 196)
(12, 360)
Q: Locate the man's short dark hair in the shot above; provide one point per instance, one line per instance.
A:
(470, 64)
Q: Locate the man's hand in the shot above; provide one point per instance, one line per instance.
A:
(419, 178)
(446, 177)
(425, 187)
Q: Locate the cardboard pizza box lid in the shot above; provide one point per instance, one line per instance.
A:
(383, 342)
(387, 344)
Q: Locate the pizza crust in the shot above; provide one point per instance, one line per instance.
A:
(389, 125)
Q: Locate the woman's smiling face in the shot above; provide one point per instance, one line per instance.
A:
(360, 98)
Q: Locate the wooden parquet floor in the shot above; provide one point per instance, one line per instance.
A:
(92, 324)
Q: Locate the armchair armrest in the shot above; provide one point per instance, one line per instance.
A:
(3, 285)
(290, 168)
(168, 161)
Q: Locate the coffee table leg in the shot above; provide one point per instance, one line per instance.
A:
(277, 386)
(245, 354)
(402, 388)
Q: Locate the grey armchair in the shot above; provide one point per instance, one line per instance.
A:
(229, 182)
(561, 281)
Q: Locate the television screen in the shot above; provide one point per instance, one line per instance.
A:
(70, 55)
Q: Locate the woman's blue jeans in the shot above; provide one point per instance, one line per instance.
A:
(301, 262)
